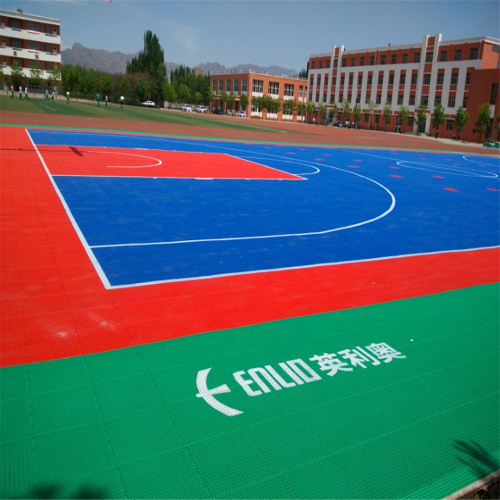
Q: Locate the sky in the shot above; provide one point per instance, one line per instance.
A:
(262, 32)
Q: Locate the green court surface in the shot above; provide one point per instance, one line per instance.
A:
(416, 416)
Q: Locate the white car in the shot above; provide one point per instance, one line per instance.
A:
(241, 114)
(186, 107)
(149, 103)
(201, 109)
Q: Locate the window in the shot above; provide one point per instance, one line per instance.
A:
(258, 86)
(382, 59)
(405, 58)
(4, 43)
(414, 78)
(4, 62)
(427, 79)
(349, 98)
(454, 78)
(451, 101)
(47, 48)
(437, 99)
(381, 78)
(344, 62)
(362, 61)
(2, 23)
(367, 117)
(467, 79)
(473, 53)
(289, 89)
(464, 105)
(311, 80)
(444, 56)
(313, 65)
(449, 124)
(353, 61)
(236, 85)
(326, 80)
(494, 92)
(16, 44)
(402, 78)
(440, 78)
(372, 60)
(412, 100)
(360, 79)
(393, 59)
(334, 81)
(379, 98)
(221, 85)
(320, 64)
(370, 79)
(425, 100)
(332, 98)
(416, 57)
(15, 24)
(228, 85)
(342, 80)
(33, 26)
(244, 85)
(54, 50)
(428, 56)
(214, 86)
(389, 98)
(410, 121)
(274, 87)
(351, 79)
(391, 79)
(400, 99)
(328, 63)
(335, 63)
(458, 55)
(301, 92)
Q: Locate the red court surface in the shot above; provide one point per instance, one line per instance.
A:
(54, 305)
(74, 160)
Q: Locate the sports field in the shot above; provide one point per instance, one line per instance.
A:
(195, 307)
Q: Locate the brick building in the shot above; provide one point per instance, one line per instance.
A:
(284, 89)
(455, 73)
(34, 41)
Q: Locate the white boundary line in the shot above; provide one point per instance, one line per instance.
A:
(86, 246)
(259, 271)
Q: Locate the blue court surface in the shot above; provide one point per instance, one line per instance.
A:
(351, 205)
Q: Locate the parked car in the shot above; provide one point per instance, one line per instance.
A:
(241, 114)
(231, 112)
(201, 109)
(187, 107)
(217, 111)
(149, 103)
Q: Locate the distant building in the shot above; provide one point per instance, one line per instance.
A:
(282, 89)
(34, 41)
(454, 73)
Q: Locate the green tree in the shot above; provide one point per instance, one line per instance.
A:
(16, 74)
(346, 110)
(54, 75)
(404, 112)
(357, 115)
(483, 123)
(125, 87)
(169, 93)
(243, 102)
(184, 93)
(108, 85)
(421, 118)
(461, 119)
(197, 97)
(232, 101)
(387, 112)
(36, 75)
(223, 99)
(371, 108)
(333, 112)
(439, 117)
(141, 89)
(311, 111)
(288, 107)
(322, 112)
(301, 109)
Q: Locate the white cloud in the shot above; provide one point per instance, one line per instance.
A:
(187, 36)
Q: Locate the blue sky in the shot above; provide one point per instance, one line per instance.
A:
(263, 32)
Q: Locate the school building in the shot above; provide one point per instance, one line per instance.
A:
(454, 73)
(288, 91)
(31, 40)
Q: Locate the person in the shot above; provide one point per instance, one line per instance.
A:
(12, 91)
(26, 93)
(53, 94)
(46, 94)
(98, 99)
(67, 97)
(106, 99)
(20, 92)
(122, 100)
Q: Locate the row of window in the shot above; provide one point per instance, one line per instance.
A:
(402, 79)
(30, 45)
(17, 24)
(30, 63)
(257, 87)
(393, 58)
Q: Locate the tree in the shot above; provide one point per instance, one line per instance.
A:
(421, 118)
(357, 115)
(184, 93)
(387, 112)
(223, 99)
(439, 117)
(169, 93)
(333, 112)
(346, 110)
(54, 75)
(141, 89)
(125, 87)
(232, 101)
(108, 86)
(16, 74)
(322, 112)
(404, 112)
(197, 97)
(483, 123)
(36, 75)
(371, 108)
(209, 95)
(301, 109)
(310, 110)
(243, 102)
(461, 119)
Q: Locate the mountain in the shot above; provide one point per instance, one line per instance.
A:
(116, 62)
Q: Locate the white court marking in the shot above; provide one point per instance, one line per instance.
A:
(159, 162)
